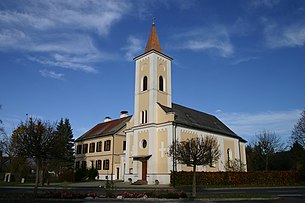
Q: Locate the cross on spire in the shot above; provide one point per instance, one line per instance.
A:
(153, 19)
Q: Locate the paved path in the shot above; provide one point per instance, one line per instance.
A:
(285, 194)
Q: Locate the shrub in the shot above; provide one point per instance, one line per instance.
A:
(67, 175)
(80, 174)
(258, 178)
(92, 173)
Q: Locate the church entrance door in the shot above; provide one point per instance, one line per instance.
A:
(144, 170)
(143, 160)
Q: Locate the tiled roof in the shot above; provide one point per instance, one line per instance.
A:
(199, 120)
(153, 41)
(106, 128)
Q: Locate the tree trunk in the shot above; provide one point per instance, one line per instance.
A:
(37, 178)
(267, 164)
(41, 176)
(194, 182)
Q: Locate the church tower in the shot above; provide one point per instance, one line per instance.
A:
(148, 133)
(157, 123)
(152, 81)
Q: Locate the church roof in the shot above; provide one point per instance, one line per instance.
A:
(153, 40)
(105, 129)
(199, 120)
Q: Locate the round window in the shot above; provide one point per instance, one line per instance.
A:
(144, 143)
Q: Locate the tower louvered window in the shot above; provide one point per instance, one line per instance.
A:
(161, 83)
(144, 83)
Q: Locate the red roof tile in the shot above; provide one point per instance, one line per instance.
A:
(153, 41)
(106, 128)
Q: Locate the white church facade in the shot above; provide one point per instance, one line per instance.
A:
(137, 146)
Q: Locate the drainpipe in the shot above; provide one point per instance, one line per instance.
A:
(112, 159)
(240, 161)
(174, 161)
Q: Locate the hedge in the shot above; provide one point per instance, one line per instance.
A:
(257, 178)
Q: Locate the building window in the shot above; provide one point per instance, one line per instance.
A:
(212, 161)
(84, 164)
(144, 143)
(107, 145)
(144, 83)
(124, 145)
(77, 165)
(229, 157)
(144, 117)
(98, 164)
(92, 147)
(161, 83)
(85, 148)
(99, 146)
(79, 149)
(106, 164)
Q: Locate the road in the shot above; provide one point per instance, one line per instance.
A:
(285, 194)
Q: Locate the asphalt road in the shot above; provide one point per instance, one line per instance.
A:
(285, 194)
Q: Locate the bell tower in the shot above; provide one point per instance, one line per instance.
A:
(152, 81)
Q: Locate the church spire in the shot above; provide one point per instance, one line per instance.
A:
(153, 41)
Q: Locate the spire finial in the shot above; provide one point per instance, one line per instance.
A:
(153, 20)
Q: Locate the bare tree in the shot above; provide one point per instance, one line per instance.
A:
(34, 139)
(3, 140)
(195, 152)
(267, 144)
(298, 132)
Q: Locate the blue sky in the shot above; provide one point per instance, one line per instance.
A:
(243, 61)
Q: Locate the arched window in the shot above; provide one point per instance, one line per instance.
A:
(161, 83)
(229, 157)
(144, 83)
(144, 117)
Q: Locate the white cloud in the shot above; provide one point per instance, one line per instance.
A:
(64, 64)
(244, 60)
(11, 38)
(134, 46)
(278, 36)
(51, 74)
(247, 125)
(215, 39)
(94, 15)
(47, 28)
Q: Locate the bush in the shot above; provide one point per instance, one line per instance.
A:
(67, 175)
(257, 178)
(80, 174)
(85, 174)
(92, 173)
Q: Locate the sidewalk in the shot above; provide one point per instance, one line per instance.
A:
(101, 183)
(94, 184)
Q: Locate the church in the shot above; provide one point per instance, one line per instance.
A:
(135, 148)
